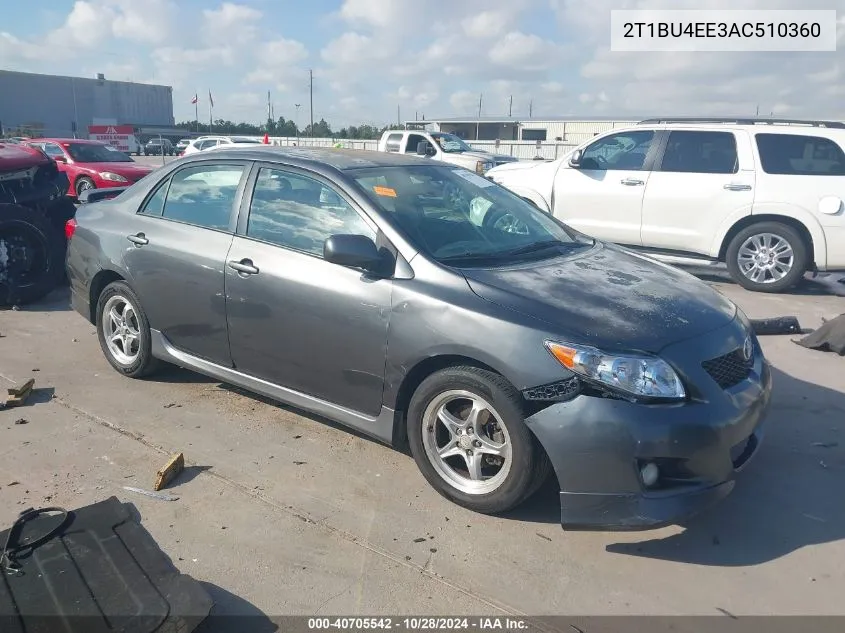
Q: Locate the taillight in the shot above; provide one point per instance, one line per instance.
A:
(70, 228)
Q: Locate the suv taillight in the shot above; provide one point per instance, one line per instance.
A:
(70, 227)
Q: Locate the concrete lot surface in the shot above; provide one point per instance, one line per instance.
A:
(284, 513)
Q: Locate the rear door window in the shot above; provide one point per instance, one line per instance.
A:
(700, 153)
(202, 195)
(800, 155)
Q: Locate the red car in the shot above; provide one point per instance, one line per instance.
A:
(91, 164)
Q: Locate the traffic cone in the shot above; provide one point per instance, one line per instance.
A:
(266, 140)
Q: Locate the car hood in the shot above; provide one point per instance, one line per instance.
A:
(608, 297)
(127, 170)
(14, 157)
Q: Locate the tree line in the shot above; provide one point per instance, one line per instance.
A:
(287, 127)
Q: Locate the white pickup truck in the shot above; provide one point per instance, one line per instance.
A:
(440, 146)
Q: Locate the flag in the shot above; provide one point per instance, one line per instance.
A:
(194, 100)
(210, 100)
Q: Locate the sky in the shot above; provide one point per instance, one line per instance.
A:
(374, 61)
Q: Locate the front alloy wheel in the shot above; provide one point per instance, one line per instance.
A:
(467, 433)
(765, 258)
(466, 442)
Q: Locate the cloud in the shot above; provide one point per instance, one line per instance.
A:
(230, 22)
(486, 24)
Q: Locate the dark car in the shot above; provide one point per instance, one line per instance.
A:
(420, 302)
(158, 147)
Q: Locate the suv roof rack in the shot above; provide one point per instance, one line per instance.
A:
(746, 121)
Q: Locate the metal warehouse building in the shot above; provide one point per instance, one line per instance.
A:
(568, 130)
(52, 105)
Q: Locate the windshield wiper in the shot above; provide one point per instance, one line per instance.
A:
(532, 248)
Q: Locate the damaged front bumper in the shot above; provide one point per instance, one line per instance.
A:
(600, 446)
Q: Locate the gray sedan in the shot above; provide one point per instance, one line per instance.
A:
(422, 303)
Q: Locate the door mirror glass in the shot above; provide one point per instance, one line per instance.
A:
(355, 251)
(423, 148)
(575, 159)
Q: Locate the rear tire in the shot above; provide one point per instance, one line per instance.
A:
(124, 332)
(31, 255)
(491, 465)
(767, 257)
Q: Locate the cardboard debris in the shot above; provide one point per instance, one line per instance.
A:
(18, 395)
(166, 474)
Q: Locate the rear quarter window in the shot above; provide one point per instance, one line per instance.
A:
(800, 155)
(393, 143)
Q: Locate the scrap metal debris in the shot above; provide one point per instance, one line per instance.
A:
(830, 337)
(172, 468)
(776, 325)
(161, 496)
(18, 395)
(21, 421)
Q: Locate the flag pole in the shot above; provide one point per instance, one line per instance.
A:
(209, 112)
(197, 110)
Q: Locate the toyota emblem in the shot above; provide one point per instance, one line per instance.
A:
(747, 349)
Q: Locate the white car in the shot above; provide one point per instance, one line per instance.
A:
(204, 143)
(764, 196)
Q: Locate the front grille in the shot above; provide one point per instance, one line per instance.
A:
(563, 390)
(728, 370)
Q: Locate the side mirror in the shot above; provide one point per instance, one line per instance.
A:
(59, 159)
(575, 159)
(354, 251)
(424, 148)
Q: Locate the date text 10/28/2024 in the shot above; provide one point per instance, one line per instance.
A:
(504, 624)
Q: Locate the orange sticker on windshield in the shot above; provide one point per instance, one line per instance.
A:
(385, 191)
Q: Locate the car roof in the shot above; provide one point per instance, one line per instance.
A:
(340, 159)
(84, 141)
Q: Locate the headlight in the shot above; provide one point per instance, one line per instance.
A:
(643, 376)
(107, 175)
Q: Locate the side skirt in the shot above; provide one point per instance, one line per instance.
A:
(380, 427)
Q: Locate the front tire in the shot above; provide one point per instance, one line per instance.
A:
(124, 332)
(767, 257)
(83, 184)
(467, 433)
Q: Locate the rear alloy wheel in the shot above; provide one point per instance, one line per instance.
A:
(83, 184)
(124, 331)
(467, 434)
(767, 257)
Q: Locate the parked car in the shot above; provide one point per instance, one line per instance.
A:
(204, 143)
(440, 146)
(91, 164)
(33, 212)
(181, 145)
(358, 286)
(159, 147)
(766, 199)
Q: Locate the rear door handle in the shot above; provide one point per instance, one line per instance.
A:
(244, 267)
(139, 239)
(737, 187)
(631, 182)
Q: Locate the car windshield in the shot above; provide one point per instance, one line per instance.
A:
(450, 143)
(460, 218)
(92, 153)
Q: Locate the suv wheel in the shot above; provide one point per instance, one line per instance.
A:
(767, 257)
(124, 331)
(467, 434)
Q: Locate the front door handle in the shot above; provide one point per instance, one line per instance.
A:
(139, 239)
(631, 182)
(732, 186)
(244, 267)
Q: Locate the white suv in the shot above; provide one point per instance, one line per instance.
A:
(203, 143)
(764, 196)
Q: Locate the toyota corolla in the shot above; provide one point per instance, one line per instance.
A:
(422, 303)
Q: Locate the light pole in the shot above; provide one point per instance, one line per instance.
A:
(296, 122)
